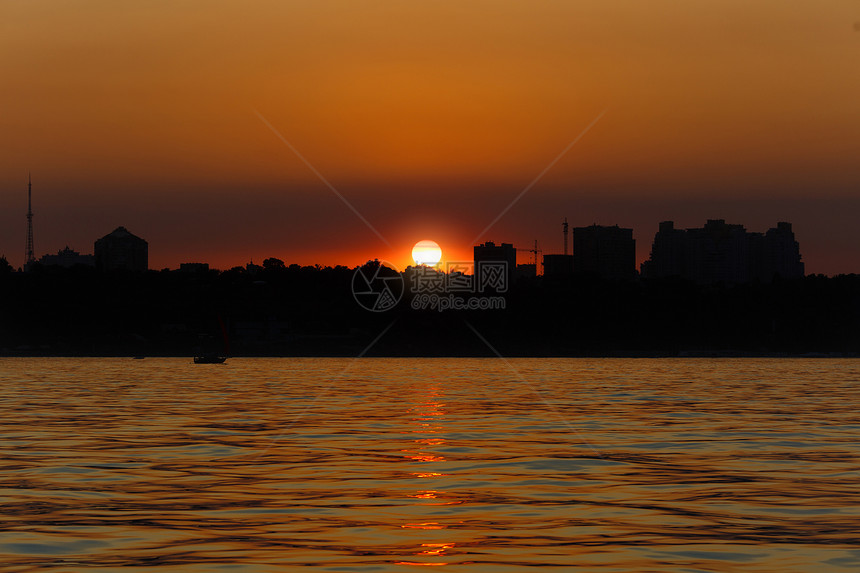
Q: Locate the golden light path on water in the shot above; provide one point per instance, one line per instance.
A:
(399, 465)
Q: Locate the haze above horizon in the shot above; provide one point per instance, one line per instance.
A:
(429, 119)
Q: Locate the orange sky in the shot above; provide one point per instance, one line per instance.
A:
(429, 117)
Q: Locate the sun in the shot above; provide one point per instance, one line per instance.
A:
(426, 252)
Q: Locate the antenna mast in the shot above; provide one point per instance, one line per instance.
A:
(564, 226)
(29, 255)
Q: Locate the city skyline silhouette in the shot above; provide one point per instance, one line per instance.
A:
(430, 122)
(585, 253)
(476, 286)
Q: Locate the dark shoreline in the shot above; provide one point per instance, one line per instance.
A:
(312, 312)
(619, 355)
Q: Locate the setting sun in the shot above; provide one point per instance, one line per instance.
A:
(426, 252)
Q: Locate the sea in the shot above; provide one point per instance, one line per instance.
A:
(449, 465)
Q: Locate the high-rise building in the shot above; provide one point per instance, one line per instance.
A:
(779, 255)
(667, 253)
(718, 253)
(607, 252)
(120, 250)
(490, 252)
(723, 253)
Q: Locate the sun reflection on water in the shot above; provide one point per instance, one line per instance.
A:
(427, 474)
(415, 462)
(427, 415)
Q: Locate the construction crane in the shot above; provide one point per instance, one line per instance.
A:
(534, 251)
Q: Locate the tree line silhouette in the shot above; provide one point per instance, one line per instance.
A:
(277, 309)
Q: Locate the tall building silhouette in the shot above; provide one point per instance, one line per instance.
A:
(120, 250)
(29, 251)
(779, 255)
(490, 251)
(667, 253)
(718, 253)
(723, 253)
(608, 252)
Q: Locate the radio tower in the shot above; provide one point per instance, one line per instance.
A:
(29, 256)
(564, 226)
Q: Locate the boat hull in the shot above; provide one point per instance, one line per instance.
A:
(209, 359)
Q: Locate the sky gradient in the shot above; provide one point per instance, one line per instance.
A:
(429, 118)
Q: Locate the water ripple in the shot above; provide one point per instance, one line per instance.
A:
(458, 464)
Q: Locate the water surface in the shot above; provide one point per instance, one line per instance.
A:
(461, 465)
